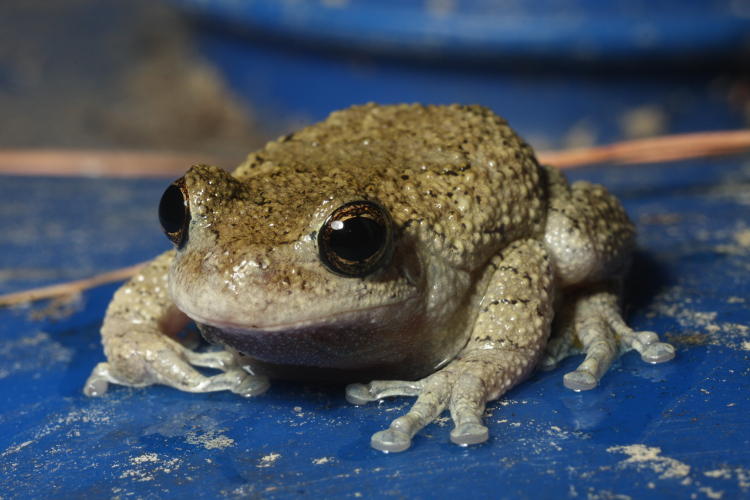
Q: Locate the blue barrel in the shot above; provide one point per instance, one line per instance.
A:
(564, 73)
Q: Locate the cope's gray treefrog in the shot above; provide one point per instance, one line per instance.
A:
(420, 246)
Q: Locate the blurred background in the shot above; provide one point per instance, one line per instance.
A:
(221, 77)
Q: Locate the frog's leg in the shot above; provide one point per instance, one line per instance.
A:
(136, 335)
(590, 322)
(507, 337)
(590, 239)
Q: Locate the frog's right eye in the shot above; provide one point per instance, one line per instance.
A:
(356, 239)
(174, 212)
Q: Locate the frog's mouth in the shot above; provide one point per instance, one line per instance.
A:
(374, 312)
(348, 340)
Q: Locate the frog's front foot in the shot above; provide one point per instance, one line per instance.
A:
(150, 358)
(464, 387)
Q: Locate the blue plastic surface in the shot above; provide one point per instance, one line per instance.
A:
(563, 72)
(475, 30)
(676, 430)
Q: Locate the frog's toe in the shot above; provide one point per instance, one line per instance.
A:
(98, 382)
(358, 394)
(600, 348)
(250, 385)
(580, 380)
(658, 352)
(470, 433)
(218, 360)
(391, 440)
(648, 345)
(559, 347)
(434, 392)
(95, 387)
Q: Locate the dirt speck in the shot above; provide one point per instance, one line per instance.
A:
(581, 135)
(742, 237)
(147, 466)
(650, 458)
(740, 474)
(268, 460)
(700, 327)
(644, 121)
(210, 440)
(690, 339)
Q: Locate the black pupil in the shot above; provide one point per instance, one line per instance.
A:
(172, 209)
(357, 238)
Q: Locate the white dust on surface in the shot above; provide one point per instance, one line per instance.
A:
(268, 460)
(210, 440)
(739, 474)
(650, 457)
(711, 493)
(606, 495)
(32, 354)
(736, 242)
(538, 438)
(15, 449)
(676, 303)
(147, 466)
(734, 186)
(197, 430)
(71, 423)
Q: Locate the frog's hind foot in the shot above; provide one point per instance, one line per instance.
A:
(591, 323)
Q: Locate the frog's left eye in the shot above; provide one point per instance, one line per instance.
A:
(174, 212)
(356, 239)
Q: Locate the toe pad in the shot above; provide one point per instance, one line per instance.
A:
(390, 441)
(658, 352)
(467, 434)
(580, 380)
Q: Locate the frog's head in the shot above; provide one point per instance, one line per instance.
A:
(305, 269)
(360, 241)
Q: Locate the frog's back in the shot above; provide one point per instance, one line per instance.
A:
(459, 172)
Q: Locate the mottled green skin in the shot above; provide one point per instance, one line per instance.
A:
(486, 244)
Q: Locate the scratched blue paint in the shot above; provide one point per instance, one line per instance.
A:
(690, 282)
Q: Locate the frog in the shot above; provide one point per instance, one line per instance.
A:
(408, 250)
